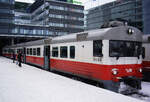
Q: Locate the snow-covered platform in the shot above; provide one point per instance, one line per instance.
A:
(30, 84)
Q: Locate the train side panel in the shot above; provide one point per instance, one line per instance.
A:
(32, 57)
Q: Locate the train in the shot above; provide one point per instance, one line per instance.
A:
(146, 58)
(108, 56)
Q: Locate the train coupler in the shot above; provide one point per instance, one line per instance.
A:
(133, 82)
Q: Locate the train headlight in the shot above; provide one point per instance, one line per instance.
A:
(114, 71)
(130, 31)
(140, 70)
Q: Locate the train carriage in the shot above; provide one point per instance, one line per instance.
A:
(105, 55)
(146, 58)
(108, 56)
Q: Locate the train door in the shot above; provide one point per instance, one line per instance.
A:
(46, 57)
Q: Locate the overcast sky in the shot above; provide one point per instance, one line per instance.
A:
(87, 3)
(92, 3)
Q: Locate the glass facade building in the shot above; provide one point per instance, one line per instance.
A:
(127, 10)
(6, 16)
(61, 17)
(42, 18)
(146, 16)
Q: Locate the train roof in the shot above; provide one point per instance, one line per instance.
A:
(30, 43)
(114, 33)
(127, 33)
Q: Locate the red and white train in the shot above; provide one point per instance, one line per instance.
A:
(108, 56)
(146, 58)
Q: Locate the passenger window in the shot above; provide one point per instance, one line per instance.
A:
(55, 51)
(38, 52)
(72, 52)
(63, 52)
(97, 48)
(18, 50)
(34, 51)
(30, 51)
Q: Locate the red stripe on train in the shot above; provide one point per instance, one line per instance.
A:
(7, 55)
(102, 72)
(35, 60)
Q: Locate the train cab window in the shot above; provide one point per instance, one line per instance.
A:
(38, 52)
(63, 52)
(30, 51)
(55, 51)
(34, 51)
(97, 48)
(124, 48)
(72, 52)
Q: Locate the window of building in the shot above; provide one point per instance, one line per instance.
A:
(97, 48)
(55, 51)
(72, 52)
(38, 52)
(63, 52)
(30, 51)
(34, 51)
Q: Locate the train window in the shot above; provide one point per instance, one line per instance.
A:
(124, 49)
(30, 51)
(34, 51)
(38, 52)
(63, 52)
(72, 52)
(55, 51)
(97, 48)
(18, 50)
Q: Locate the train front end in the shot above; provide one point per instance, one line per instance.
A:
(124, 60)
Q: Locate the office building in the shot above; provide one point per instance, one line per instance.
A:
(43, 18)
(146, 16)
(126, 10)
(60, 17)
(6, 16)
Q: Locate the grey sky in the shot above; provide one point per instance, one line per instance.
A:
(87, 3)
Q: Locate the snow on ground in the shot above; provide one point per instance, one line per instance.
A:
(30, 84)
(145, 91)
